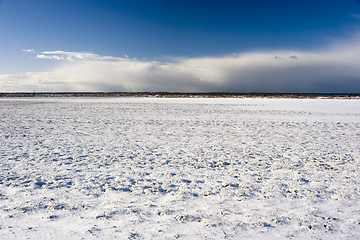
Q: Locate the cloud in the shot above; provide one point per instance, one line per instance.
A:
(33, 82)
(56, 57)
(72, 56)
(335, 69)
(356, 15)
(28, 50)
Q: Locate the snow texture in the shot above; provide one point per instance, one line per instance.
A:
(146, 168)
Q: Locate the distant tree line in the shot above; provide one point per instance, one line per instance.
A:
(182, 95)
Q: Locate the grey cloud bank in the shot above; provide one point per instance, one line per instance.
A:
(335, 69)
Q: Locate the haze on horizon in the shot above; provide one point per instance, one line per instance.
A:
(202, 46)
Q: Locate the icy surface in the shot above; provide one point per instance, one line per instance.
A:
(146, 168)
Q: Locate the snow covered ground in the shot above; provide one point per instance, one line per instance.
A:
(146, 168)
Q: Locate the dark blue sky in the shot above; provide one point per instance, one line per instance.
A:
(155, 30)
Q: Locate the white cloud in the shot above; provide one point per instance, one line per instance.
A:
(356, 16)
(28, 50)
(56, 57)
(34, 82)
(335, 69)
(72, 56)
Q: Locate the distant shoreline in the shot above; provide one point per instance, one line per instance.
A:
(181, 95)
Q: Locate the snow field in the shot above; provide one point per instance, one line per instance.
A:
(142, 168)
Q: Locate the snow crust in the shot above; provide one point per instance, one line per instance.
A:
(195, 168)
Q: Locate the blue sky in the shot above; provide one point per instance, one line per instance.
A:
(267, 46)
